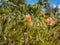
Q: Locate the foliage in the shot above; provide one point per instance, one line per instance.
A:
(15, 31)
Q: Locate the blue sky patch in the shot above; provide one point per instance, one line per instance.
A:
(52, 2)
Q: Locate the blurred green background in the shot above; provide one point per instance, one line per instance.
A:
(15, 31)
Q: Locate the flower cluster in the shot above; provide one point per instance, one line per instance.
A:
(28, 20)
(49, 21)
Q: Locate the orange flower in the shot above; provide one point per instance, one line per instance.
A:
(28, 18)
(49, 21)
